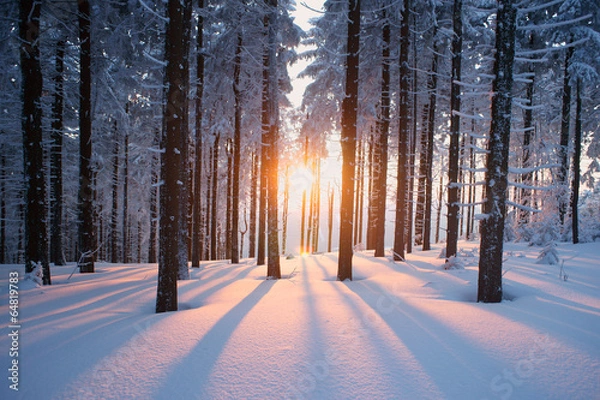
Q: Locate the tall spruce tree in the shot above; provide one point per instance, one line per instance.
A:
(496, 178)
(348, 141)
(36, 233)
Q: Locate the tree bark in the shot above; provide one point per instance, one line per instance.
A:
(563, 173)
(36, 236)
(56, 177)
(253, 206)
(197, 244)
(171, 160)
(273, 262)
(454, 151)
(576, 166)
(114, 216)
(86, 226)
(154, 209)
(403, 134)
(237, 143)
(494, 207)
(384, 127)
(125, 228)
(348, 141)
(213, 198)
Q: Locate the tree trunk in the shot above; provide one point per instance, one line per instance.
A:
(330, 220)
(494, 207)
(317, 206)
(576, 167)
(284, 212)
(253, 204)
(213, 199)
(185, 195)
(154, 190)
(403, 134)
(563, 173)
(171, 160)
(454, 151)
(303, 246)
(273, 264)
(237, 143)
(413, 146)
(348, 141)
(528, 135)
(229, 197)
(264, 157)
(359, 195)
(197, 206)
(126, 257)
(114, 216)
(384, 127)
(86, 226)
(431, 111)
(56, 178)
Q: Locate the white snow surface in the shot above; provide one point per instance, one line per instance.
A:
(398, 331)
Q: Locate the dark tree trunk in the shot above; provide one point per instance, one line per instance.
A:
(229, 197)
(253, 204)
(35, 213)
(213, 199)
(330, 220)
(359, 195)
(262, 191)
(114, 217)
(384, 128)
(494, 208)
(284, 212)
(273, 263)
(56, 178)
(186, 179)
(125, 229)
(528, 135)
(403, 134)
(413, 147)
(86, 226)
(171, 160)
(454, 151)
(576, 166)
(237, 143)
(154, 206)
(430, 115)
(371, 214)
(563, 173)
(440, 204)
(317, 207)
(197, 206)
(348, 141)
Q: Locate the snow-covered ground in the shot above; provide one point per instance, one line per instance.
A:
(398, 331)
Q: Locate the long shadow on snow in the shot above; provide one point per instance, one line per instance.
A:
(316, 368)
(196, 296)
(440, 352)
(399, 372)
(580, 329)
(207, 351)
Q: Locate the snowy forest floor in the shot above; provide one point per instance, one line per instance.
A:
(399, 330)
